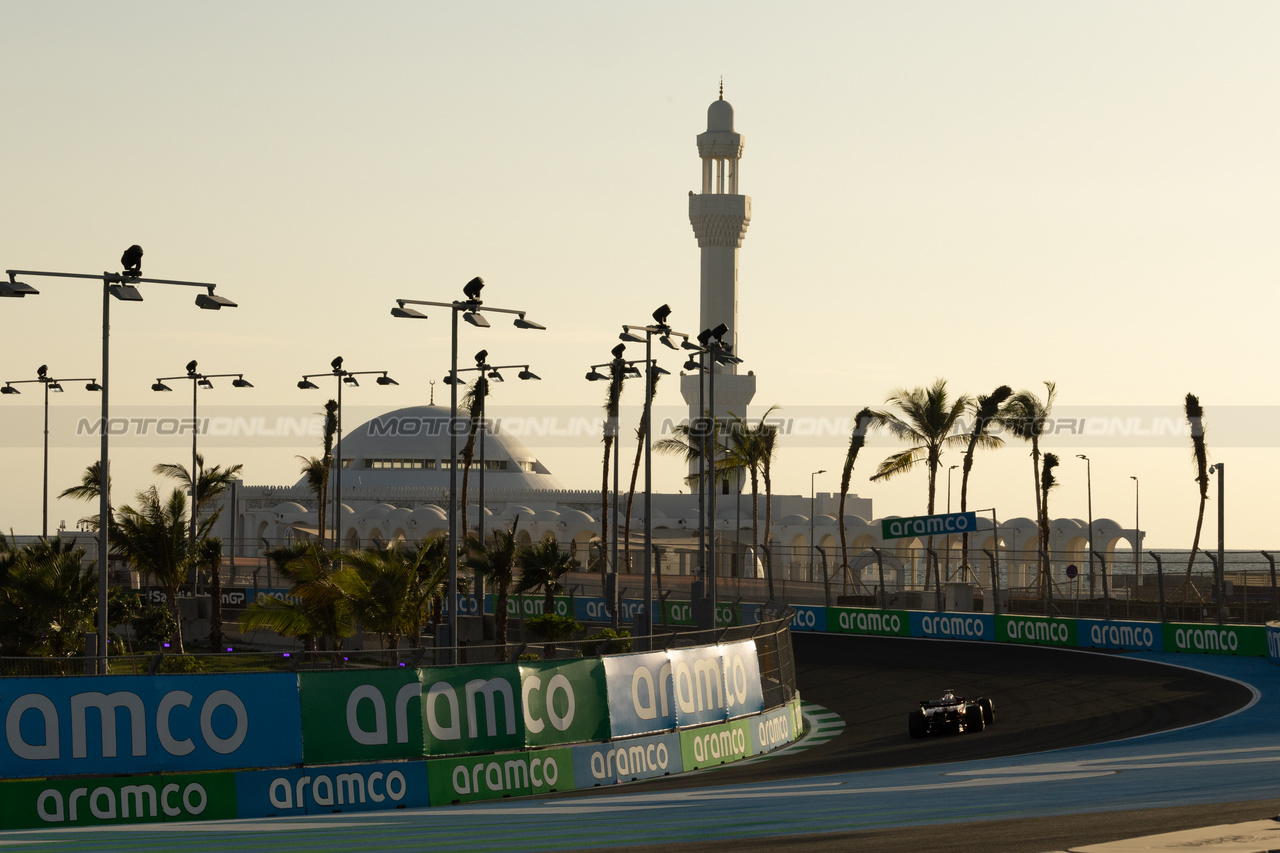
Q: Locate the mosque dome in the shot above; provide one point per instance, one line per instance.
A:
(720, 116)
(410, 447)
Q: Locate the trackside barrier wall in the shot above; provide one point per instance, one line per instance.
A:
(107, 750)
(1273, 642)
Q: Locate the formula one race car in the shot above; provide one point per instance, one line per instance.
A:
(951, 713)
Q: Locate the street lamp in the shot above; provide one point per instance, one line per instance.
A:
(711, 351)
(664, 332)
(198, 380)
(343, 377)
(1088, 473)
(50, 384)
(487, 372)
(620, 370)
(471, 310)
(812, 512)
(122, 286)
(1137, 533)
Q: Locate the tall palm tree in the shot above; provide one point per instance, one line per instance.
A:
(153, 539)
(379, 584)
(317, 471)
(925, 418)
(495, 561)
(208, 556)
(210, 482)
(1199, 452)
(986, 411)
(1027, 417)
(750, 450)
(857, 440)
(769, 443)
(641, 434)
(316, 609)
(541, 567)
(89, 489)
(473, 402)
(612, 399)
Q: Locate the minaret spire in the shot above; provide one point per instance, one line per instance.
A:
(722, 87)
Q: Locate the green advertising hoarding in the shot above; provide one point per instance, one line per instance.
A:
(711, 745)
(361, 716)
(491, 777)
(1036, 630)
(564, 702)
(1210, 639)
(852, 620)
(100, 801)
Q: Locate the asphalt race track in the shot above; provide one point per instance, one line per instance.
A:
(872, 787)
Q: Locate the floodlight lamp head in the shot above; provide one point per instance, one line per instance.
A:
(476, 319)
(720, 331)
(57, 387)
(41, 371)
(481, 356)
(449, 379)
(665, 340)
(659, 371)
(704, 337)
(384, 379)
(9, 389)
(241, 382)
(16, 288)
(618, 350)
(92, 386)
(688, 344)
(472, 289)
(522, 323)
(204, 383)
(351, 380)
(308, 385)
(528, 374)
(160, 386)
(692, 364)
(661, 315)
(592, 376)
(212, 302)
(630, 337)
(631, 370)
(191, 367)
(129, 293)
(496, 376)
(336, 364)
(401, 311)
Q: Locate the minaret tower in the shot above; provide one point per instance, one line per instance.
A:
(720, 216)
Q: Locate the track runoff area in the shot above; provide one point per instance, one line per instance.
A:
(1087, 748)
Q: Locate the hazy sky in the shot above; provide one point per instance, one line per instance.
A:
(990, 192)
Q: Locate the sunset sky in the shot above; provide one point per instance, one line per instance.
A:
(989, 192)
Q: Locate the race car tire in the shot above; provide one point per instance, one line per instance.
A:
(974, 719)
(988, 711)
(917, 725)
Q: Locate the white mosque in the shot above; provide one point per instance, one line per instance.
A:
(395, 480)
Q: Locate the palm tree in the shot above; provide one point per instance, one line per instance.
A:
(750, 449)
(641, 434)
(317, 469)
(1047, 483)
(379, 584)
(210, 483)
(986, 411)
(209, 557)
(495, 561)
(89, 489)
(473, 402)
(857, 440)
(1195, 420)
(316, 609)
(48, 600)
(927, 418)
(153, 539)
(541, 567)
(1027, 417)
(612, 399)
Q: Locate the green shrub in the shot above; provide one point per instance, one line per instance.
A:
(180, 664)
(606, 642)
(154, 626)
(552, 628)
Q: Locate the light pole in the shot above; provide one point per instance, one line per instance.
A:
(343, 377)
(1220, 569)
(122, 286)
(1137, 533)
(620, 370)
(712, 350)
(198, 380)
(813, 502)
(1088, 475)
(664, 332)
(50, 384)
(471, 310)
(966, 558)
(487, 372)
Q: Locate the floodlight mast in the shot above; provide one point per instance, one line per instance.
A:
(121, 285)
(629, 334)
(49, 384)
(471, 308)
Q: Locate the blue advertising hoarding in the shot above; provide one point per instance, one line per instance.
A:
(626, 760)
(333, 788)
